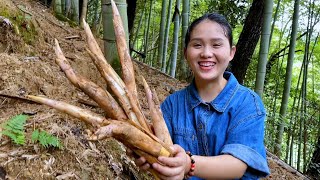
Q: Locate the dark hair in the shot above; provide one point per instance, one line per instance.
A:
(215, 17)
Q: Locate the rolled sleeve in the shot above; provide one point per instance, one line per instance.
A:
(249, 156)
(245, 142)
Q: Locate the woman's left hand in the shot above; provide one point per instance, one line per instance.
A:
(173, 168)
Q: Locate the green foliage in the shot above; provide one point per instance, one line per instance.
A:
(46, 139)
(234, 11)
(61, 17)
(22, 23)
(14, 129)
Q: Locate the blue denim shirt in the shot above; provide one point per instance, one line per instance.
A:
(233, 123)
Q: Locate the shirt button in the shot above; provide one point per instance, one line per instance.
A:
(200, 126)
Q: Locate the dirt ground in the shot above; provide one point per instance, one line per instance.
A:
(31, 70)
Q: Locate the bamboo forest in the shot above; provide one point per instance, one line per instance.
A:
(277, 56)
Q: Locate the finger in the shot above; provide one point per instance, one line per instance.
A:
(132, 154)
(140, 161)
(166, 171)
(179, 158)
(145, 166)
(129, 152)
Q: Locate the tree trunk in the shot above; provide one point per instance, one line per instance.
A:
(264, 48)
(132, 4)
(274, 57)
(274, 20)
(110, 48)
(272, 120)
(147, 37)
(183, 67)
(293, 119)
(75, 10)
(287, 85)
(175, 41)
(248, 40)
(96, 18)
(166, 39)
(68, 9)
(58, 7)
(313, 168)
(83, 11)
(136, 35)
(162, 32)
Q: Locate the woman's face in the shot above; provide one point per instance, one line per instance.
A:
(208, 52)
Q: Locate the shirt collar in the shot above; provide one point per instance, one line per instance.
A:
(221, 102)
(193, 96)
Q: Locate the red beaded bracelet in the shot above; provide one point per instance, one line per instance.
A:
(192, 167)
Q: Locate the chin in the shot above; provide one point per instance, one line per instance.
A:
(206, 78)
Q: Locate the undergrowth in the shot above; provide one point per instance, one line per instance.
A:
(21, 22)
(45, 139)
(14, 129)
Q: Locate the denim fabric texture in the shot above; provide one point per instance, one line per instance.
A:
(233, 123)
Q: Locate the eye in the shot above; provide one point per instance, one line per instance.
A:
(197, 45)
(216, 45)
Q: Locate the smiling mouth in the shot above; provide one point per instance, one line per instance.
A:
(206, 64)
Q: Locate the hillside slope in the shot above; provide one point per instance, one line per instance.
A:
(29, 68)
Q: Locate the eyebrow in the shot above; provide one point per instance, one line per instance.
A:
(200, 39)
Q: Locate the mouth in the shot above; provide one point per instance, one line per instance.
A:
(206, 64)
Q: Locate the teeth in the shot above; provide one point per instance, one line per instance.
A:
(207, 64)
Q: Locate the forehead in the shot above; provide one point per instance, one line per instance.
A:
(208, 29)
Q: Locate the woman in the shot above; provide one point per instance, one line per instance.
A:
(215, 118)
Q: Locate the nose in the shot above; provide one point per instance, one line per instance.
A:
(206, 52)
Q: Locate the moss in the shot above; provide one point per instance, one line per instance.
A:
(63, 18)
(26, 28)
(116, 65)
(22, 23)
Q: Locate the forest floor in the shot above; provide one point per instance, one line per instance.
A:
(31, 69)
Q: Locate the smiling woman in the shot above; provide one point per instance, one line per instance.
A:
(215, 118)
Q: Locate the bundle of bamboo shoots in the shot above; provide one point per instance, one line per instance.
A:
(124, 118)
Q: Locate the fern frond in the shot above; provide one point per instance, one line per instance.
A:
(46, 139)
(35, 135)
(14, 129)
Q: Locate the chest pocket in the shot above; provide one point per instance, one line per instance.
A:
(186, 138)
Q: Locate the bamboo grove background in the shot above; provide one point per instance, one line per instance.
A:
(278, 55)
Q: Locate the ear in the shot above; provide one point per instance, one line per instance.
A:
(232, 52)
(185, 53)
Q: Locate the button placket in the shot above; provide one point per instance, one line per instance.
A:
(204, 132)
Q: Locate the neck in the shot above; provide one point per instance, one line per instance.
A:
(209, 90)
